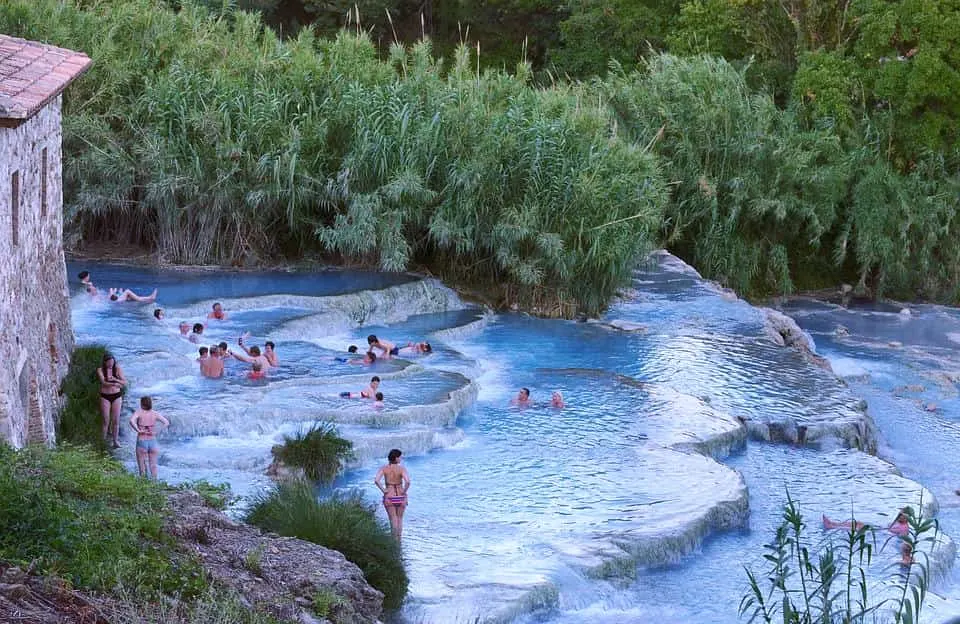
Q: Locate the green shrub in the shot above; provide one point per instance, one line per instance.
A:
(217, 496)
(84, 517)
(80, 421)
(342, 523)
(321, 452)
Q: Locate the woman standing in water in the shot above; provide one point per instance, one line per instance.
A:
(144, 422)
(396, 482)
(112, 382)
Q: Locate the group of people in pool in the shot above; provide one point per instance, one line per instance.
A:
(393, 480)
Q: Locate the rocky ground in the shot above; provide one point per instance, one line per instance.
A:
(286, 578)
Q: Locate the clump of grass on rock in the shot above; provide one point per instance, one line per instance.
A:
(342, 523)
(320, 452)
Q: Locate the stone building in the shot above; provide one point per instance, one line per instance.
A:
(36, 338)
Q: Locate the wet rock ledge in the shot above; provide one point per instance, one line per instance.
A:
(277, 575)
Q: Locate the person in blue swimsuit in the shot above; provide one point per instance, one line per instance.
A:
(144, 422)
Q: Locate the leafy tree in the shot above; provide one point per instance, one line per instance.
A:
(909, 55)
(597, 31)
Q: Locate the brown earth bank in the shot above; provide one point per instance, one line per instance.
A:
(282, 577)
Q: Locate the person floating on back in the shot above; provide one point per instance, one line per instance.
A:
(422, 348)
(121, 295)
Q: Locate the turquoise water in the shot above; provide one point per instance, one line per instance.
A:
(641, 499)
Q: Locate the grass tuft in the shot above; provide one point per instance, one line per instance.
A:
(321, 452)
(342, 523)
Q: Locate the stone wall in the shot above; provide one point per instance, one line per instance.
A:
(36, 338)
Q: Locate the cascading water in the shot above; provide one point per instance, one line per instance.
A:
(641, 499)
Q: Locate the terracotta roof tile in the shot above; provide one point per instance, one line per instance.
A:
(32, 74)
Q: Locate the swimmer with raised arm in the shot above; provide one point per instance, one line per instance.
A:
(396, 482)
(217, 313)
(122, 295)
(144, 422)
(367, 393)
(252, 356)
(387, 349)
(899, 527)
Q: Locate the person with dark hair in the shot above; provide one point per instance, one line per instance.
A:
(158, 314)
(121, 295)
(223, 352)
(212, 366)
(367, 393)
(396, 482)
(217, 313)
(378, 401)
(197, 332)
(369, 358)
(419, 347)
(352, 349)
(270, 352)
(144, 422)
(523, 397)
(253, 356)
(257, 372)
(87, 284)
(112, 382)
(387, 349)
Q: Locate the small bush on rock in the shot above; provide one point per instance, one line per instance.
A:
(321, 452)
(342, 523)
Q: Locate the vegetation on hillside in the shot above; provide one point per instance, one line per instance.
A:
(83, 516)
(80, 420)
(822, 148)
(343, 523)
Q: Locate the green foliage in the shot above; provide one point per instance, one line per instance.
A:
(325, 601)
(212, 140)
(597, 31)
(321, 452)
(810, 582)
(80, 420)
(827, 91)
(343, 523)
(753, 194)
(84, 517)
(909, 56)
(216, 495)
(253, 560)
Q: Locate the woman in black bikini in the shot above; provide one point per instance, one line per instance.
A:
(112, 382)
(396, 482)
